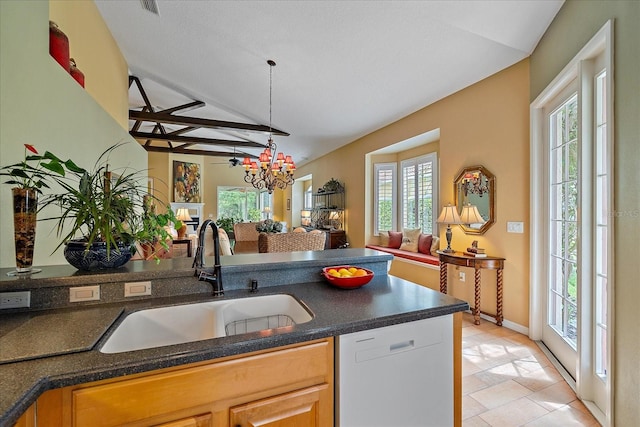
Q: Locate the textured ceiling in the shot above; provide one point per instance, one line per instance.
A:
(344, 68)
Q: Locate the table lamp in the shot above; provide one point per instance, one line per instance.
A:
(183, 215)
(470, 215)
(449, 215)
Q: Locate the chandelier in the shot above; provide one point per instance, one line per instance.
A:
(269, 173)
(474, 183)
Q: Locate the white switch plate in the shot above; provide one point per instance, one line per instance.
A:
(462, 276)
(15, 299)
(84, 293)
(515, 227)
(135, 289)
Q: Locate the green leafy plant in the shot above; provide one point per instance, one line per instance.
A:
(226, 223)
(35, 170)
(269, 226)
(152, 229)
(100, 205)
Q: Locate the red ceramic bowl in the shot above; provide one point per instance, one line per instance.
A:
(347, 282)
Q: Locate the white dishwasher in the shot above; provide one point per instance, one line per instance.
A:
(396, 376)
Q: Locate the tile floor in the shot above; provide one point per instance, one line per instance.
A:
(508, 381)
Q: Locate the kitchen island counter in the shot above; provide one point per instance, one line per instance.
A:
(385, 301)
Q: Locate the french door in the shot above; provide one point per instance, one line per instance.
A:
(572, 227)
(560, 330)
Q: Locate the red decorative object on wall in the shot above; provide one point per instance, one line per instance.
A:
(59, 46)
(76, 73)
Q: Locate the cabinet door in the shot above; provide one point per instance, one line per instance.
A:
(298, 408)
(204, 420)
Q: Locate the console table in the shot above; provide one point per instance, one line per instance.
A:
(477, 263)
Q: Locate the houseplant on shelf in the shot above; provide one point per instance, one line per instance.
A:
(29, 177)
(107, 211)
(269, 226)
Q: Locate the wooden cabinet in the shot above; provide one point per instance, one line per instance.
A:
(298, 408)
(293, 385)
(335, 239)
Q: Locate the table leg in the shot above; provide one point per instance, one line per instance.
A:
(499, 316)
(476, 309)
(443, 277)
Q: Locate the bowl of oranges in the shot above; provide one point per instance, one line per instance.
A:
(347, 276)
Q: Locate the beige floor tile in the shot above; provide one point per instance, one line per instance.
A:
(471, 383)
(497, 374)
(474, 422)
(510, 376)
(554, 396)
(515, 413)
(538, 379)
(565, 416)
(471, 407)
(500, 394)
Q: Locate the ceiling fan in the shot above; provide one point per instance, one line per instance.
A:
(234, 161)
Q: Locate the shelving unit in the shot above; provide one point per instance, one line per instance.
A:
(328, 210)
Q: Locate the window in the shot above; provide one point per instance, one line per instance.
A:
(385, 197)
(409, 204)
(418, 186)
(245, 203)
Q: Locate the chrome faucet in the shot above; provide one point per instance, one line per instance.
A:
(215, 277)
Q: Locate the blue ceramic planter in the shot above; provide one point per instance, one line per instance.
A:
(76, 254)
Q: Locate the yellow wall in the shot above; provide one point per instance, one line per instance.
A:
(559, 45)
(96, 54)
(41, 104)
(485, 124)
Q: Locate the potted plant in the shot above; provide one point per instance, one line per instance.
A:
(28, 178)
(269, 226)
(152, 232)
(102, 215)
(226, 223)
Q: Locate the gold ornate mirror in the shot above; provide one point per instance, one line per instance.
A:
(474, 192)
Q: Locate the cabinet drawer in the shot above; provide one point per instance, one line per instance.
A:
(144, 397)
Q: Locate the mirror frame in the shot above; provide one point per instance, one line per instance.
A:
(491, 193)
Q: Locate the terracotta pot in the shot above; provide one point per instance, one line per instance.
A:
(25, 208)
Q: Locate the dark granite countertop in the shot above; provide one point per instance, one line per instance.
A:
(386, 300)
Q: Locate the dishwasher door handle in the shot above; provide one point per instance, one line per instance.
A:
(403, 345)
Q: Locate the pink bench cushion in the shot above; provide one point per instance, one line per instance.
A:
(415, 256)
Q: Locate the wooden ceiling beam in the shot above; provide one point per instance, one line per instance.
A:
(181, 150)
(193, 140)
(198, 122)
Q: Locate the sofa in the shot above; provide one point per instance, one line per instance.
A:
(291, 242)
(409, 244)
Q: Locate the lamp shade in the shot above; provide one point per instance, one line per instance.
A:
(305, 214)
(470, 215)
(183, 214)
(449, 215)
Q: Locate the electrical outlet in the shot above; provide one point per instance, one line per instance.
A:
(462, 276)
(134, 289)
(15, 299)
(84, 293)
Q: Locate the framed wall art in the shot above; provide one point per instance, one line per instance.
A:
(186, 182)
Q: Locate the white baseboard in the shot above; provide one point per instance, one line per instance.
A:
(506, 324)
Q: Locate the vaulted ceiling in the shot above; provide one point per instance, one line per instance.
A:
(344, 68)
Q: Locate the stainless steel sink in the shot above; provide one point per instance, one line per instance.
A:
(157, 327)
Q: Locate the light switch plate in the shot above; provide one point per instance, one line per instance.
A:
(135, 289)
(84, 293)
(515, 227)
